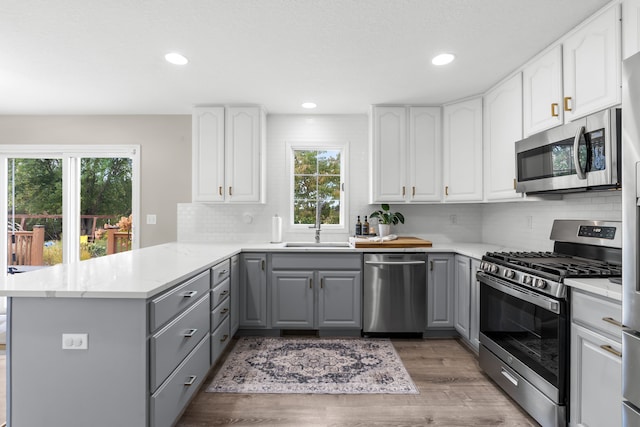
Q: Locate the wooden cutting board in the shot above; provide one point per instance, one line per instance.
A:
(400, 242)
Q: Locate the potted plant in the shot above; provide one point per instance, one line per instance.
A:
(386, 218)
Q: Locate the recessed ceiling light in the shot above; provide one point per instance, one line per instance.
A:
(443, 59)
(176, 58)
(309, 105)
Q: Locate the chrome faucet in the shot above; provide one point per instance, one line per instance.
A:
(318, 222)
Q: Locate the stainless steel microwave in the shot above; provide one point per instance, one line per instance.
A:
(582, 155)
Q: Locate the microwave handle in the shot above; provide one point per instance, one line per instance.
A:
(576, 153)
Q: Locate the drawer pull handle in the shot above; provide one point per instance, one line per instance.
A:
(613, 321)
(224, 311)
(189, 294)
(220, 191)
(567, 102)
(224, 293)
(222, 272)
(513, 380)
(189, 333)
(224, 338)
(191, 380)
(554, 109)
(611, 350)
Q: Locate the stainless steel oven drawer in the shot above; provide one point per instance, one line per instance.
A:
(539, 406)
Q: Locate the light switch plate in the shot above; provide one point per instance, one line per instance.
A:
(75, 341)
(151, 219)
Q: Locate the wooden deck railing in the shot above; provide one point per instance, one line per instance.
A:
(118, 241)
(25, 247)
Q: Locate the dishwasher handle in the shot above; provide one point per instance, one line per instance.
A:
(395, 262)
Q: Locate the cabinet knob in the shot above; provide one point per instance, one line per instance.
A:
(567, 103)
(554, 109)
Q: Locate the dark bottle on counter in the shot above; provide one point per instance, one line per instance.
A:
(365, 227)
(358, 227)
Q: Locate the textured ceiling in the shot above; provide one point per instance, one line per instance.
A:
(107, 57)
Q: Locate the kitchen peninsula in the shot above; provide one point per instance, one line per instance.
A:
(123, 362)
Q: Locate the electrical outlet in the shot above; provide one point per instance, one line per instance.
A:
(75, 341)
(151, 219)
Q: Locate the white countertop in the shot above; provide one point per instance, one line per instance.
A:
(601, 287)
(143, 273)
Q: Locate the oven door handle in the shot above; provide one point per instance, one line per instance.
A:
(539, 300)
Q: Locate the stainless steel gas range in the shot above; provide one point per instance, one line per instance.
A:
(524, 312)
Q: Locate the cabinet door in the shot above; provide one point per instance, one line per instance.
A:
(502, 128)
(243, 154)
(474, 320)
(208, 154)
(542, 92)
(235, 294)
(253, 291)
(462, 295)
(592, 64)
(292, 299)
(462, 149)
(425, 154)
(631, 28)
(440, 291)
(340, 299)
(596, 379)
(388, 154)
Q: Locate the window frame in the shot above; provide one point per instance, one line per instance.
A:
(343, 147)
(71, 156)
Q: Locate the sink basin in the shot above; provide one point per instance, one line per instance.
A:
(316, 245)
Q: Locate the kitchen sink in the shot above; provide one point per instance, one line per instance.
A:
(316, 245)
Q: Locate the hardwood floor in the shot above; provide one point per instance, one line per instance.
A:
(453, 392)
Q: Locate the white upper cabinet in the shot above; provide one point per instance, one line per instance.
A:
(592, 65)
(542, 92)
(462, 151)
(208, 154)
(405, 154)
(388, 154)
(630, 27)
(425, 154)
(502, 128)
(228, 154)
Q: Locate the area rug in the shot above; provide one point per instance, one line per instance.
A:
(317, 365)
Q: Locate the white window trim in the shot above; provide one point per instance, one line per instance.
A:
(71, 181)
(321, 146)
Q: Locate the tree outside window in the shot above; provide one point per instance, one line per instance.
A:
(316, 182)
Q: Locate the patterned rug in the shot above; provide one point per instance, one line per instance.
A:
(317, 365)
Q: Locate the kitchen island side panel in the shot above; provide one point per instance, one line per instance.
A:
(105, 385)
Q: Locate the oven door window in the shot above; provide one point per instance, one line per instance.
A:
(532, 334)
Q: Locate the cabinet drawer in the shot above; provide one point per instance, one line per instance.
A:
(170, 345)
(596, 313)
(220, 292)
(220, 313)
(219, 340)
(169, 304)
(172, 397)
(297, 261)
(220, 272)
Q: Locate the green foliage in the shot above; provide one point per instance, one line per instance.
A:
(316, 181)
(386, 217)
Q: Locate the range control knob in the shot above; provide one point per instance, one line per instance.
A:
(509, 274)
(494, 269)
(528, 280)
(482, 265)
(540, 283)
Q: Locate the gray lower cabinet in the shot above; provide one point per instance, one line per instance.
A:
(596, 361)
(253, 290)
(467, 300)
(440, 291)
(320, 291)
(234, 317)
(462, 294)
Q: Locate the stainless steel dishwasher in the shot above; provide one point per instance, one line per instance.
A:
(395, 288)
